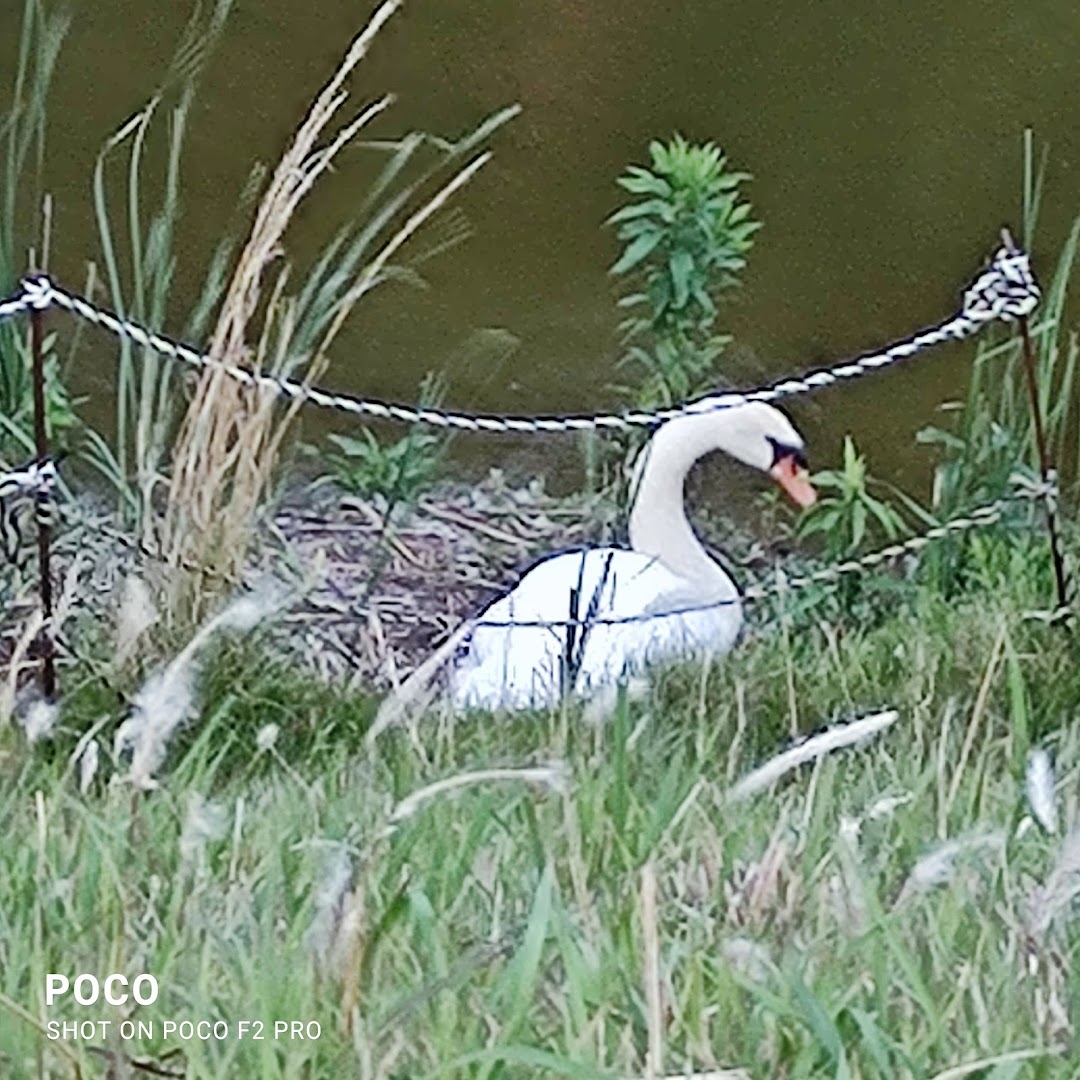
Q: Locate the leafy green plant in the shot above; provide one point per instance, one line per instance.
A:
(685, 238)
(397, 471)
(847, 512)
(62, 421)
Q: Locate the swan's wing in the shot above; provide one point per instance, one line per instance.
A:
(523, 652)
(661, 617)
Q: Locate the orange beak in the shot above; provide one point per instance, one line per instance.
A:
(794, 480)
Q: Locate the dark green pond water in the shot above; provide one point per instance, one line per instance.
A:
(885, 142)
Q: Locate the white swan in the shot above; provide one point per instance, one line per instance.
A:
(666, 570)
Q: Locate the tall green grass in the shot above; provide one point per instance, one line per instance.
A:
(888, 911)
(994, 433)
(136, 223)
(874, 915)
(22, 148)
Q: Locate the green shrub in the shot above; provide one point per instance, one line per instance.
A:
(847, 513)
(685, 238)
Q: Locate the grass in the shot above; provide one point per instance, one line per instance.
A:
(193, 462)
(628, 920)
(137, 221)
(994, 432)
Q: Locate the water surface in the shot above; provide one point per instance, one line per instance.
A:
(885, 143)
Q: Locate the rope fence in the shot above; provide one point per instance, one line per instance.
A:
(1005, 291)
(1024, 491)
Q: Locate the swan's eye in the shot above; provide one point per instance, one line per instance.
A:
(782, 451)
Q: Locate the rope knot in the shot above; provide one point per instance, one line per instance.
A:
(37, 478)
(1007, 290)
(37, 291)
(37, 481)
(1028, 487)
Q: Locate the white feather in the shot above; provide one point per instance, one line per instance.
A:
(88, 764)
(1040, 790)
(811, 750)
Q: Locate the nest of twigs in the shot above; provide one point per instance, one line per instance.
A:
(391, 583)
(379, 586)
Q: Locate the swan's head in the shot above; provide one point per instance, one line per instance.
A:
(764, 438)
(754, 433)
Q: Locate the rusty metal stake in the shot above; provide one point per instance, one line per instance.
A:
(1045, 469)
(44, 530)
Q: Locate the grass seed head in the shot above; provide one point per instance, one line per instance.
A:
(204, 822)
(135, 615)
(330, 902)
(939, 867)
(88, 765)
(38, 720)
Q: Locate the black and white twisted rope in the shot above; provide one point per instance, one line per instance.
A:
(1006, 290)
(36, 481)
(35, 292)
(17, 305)
(1026, 491)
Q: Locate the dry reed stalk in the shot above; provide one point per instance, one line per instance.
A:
(418, 691)
(978, 711)
(227, 443)
(654, 1000)
(16, 663)
(759, 893)
(231, 435)
(554, 776)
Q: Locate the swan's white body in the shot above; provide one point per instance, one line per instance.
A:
(522, 666)
(609, 612)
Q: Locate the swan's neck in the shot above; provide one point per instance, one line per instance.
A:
(658, 522)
